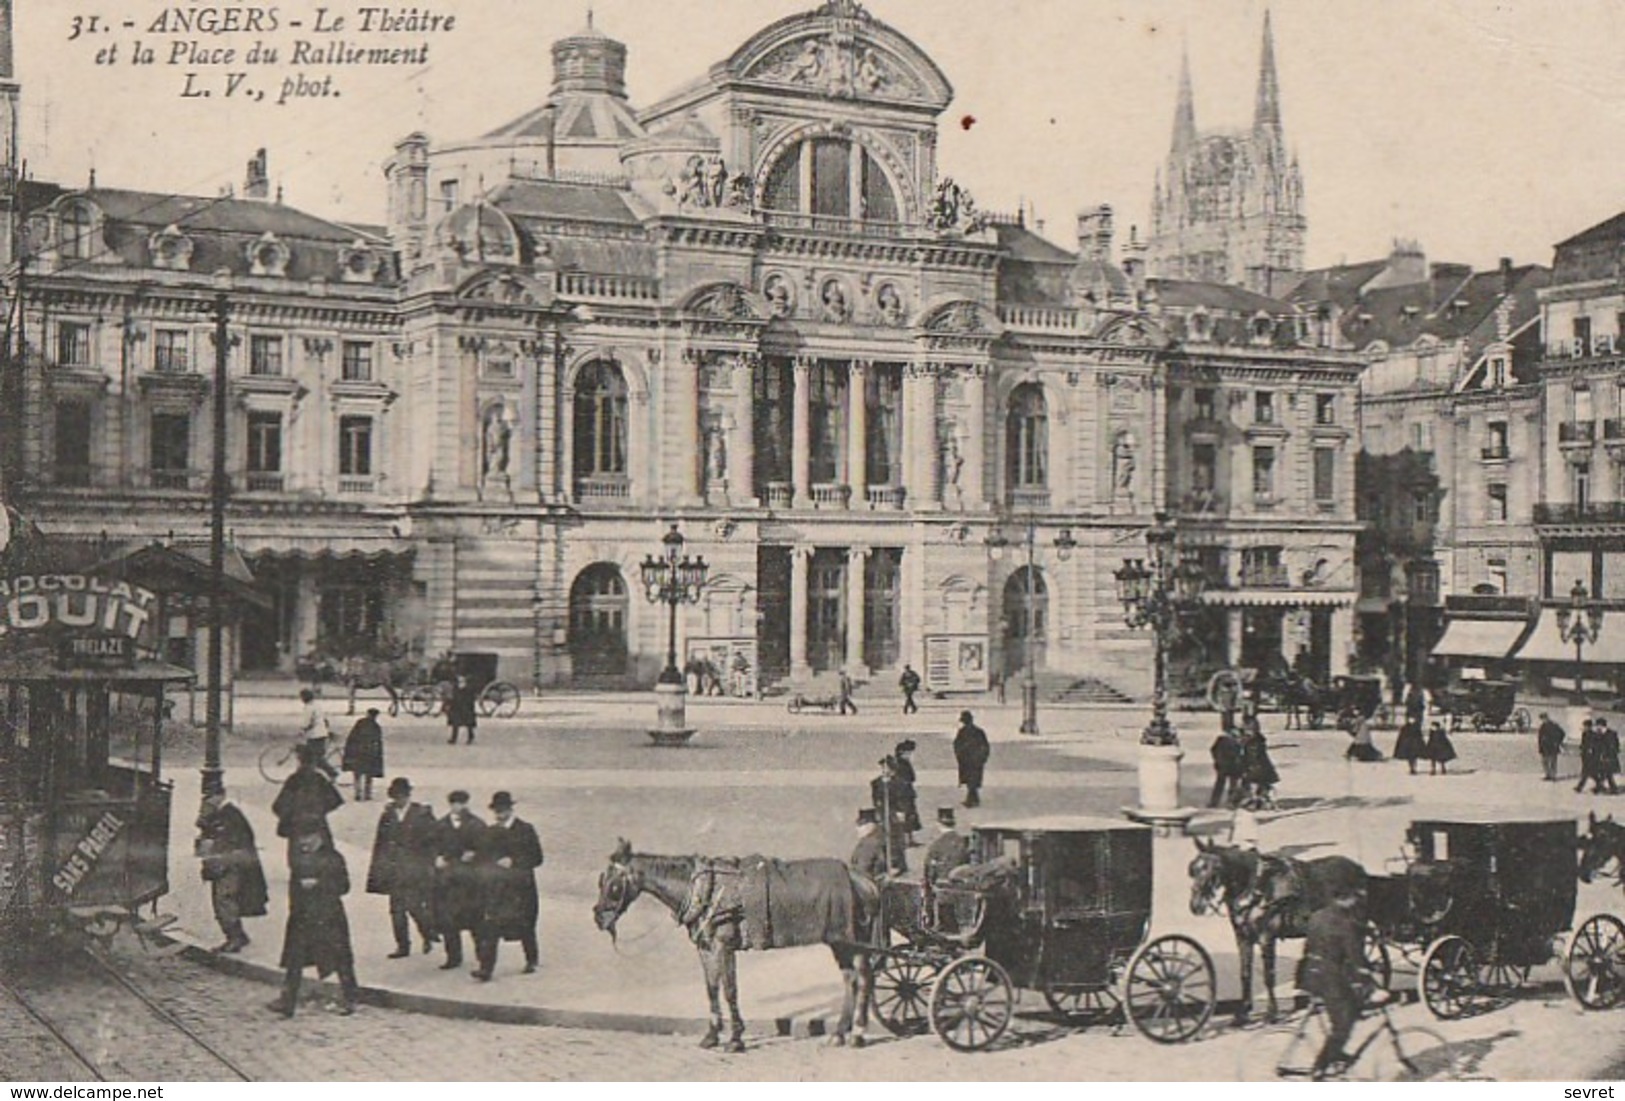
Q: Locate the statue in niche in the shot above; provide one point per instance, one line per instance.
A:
(716, 180)
(497, 444)
(953, 465)
(1123, 464)
(889, 304)
(835, 308)
(716, 457)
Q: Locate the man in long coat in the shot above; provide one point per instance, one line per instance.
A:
(364, 754)
(457, 901)
(231, 867)
(511, 853)
(1549, 743)
(402, 859)
(869, 855)
(460, 709)
(1589, 745)
(308, 796)
(1607, 757)
(971, 750)
(318, 933)
(948, 851)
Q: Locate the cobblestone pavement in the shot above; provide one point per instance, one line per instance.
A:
(385, 1045)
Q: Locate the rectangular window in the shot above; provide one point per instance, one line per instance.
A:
(832, 178)
(1584, 411)
(882, 453)
(1264, 407)
(1496, 448)
(171, 450)
(264, 443)
(1205, 410)
(355, 445)
(1497, 492)
(357, 361)
(1264, 473)
(170, 351)
(827, 420)
(72, 443)
(265, 355)
(1422, 506)
(1325, 475)
(1582, 486)
(773, 388)
(1582, 335)
(448, 194)
(73, 344)
(1325, 408)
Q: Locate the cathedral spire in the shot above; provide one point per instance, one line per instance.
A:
(1185, 111)
(1267, 114)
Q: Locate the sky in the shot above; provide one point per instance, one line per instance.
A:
(1481, 129)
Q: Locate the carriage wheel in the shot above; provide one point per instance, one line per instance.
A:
(1594, 969)
(901, 994)
(422, 700)
(1500, 979)
(1415, 1054)
(972, 1003)
(1481, 722)
(499, 700)
(278, 762)
(1522, 720)
(1081, 1005)
(1169, 991)
(1448, 979)
(1377, 958)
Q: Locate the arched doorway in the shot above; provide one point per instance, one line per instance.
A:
(598, 622)
(1025, 618)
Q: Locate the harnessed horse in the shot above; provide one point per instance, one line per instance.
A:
(700, 892)
(1267, 897)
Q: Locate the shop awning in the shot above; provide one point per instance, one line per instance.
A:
(301, 545)
(1480, 638)
(1546, 643)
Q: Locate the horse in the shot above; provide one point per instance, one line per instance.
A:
(358, 673)
(1267, 897)
(1604, 845)
(703, 896)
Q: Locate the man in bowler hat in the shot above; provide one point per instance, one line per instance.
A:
(511, 852)
(948, 851)
(869, 856)
(971, 750)
(458, 839)
(402, 859)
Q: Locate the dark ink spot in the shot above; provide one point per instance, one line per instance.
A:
(967, 122)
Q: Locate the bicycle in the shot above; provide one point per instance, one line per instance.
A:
(279, 759)
(1385, 1052)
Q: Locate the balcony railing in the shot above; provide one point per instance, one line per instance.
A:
(263, 481)
(358, 483)
(1201, 502)
(576, 284)
(1265, 576)
(1495, 453)
(1063, 319)
(1606, 512)
(603, 489)
(1613, 430)
(175, 479)
(831, 495)
(778, 494)
(884, 498)
(1265, 501)
(1029, 498)
(1577, 432)
(824, 223)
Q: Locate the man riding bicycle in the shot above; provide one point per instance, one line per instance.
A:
(1333, 970)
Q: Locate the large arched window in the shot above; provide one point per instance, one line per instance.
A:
(600, 425)
(77, 223)
(1027, 439)
(832, 178)
(598, 604)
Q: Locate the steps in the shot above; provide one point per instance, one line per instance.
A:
(1090, 690)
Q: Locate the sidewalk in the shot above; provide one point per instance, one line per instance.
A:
(789, 793)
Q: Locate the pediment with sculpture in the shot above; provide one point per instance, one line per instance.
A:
(1133, 331)
(506, 289)
(841, 51)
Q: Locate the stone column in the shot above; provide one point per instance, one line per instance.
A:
(856, 557)
(799, 556)
(742, 443)
(1342, 640)
(682, 450)
(920, 436)
(1233, 624)
(857, 441)
(800, 441)
(975, 438)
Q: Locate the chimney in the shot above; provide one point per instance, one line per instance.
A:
(257, 181)
(1506, 275)
(1134, 260)
(1095, 234)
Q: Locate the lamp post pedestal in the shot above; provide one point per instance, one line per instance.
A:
(1029, 707)
(671, 703)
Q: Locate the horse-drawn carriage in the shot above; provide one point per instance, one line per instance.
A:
(1059, 905)
(1477, 905)
(1305, 701)
(495, 698)
(1483, 704)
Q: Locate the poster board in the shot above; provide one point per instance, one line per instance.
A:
(956, 663)
(721, 667)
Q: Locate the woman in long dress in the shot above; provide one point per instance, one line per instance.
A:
(1440, 751)
(1410, 747)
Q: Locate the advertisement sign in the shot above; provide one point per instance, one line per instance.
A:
(89, 862)
(721, 667)
(956, 663)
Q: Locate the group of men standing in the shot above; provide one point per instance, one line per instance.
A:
(444, 875)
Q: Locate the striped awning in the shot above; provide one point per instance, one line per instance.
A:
(317, 545)
(1480, 638)
(1546, 643)
(1280, 598)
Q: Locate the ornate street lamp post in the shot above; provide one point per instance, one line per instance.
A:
(672, 579)
(1581, 624)
(997, 541)
(1156, 591)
